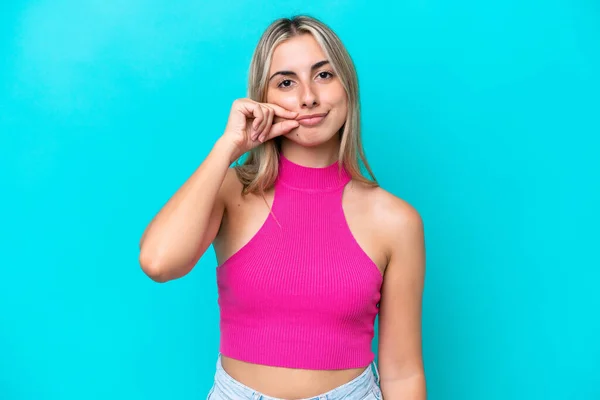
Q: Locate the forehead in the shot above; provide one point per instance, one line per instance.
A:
(297, 53)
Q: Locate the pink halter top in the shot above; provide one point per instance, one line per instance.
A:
(301, 293)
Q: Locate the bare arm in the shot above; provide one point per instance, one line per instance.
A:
(187, 224)
(400, 354)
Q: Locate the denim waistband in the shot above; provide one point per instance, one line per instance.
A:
(357, 388)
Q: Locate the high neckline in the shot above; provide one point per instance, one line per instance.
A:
(312, 178)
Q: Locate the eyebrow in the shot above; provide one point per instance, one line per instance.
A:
(292, 73)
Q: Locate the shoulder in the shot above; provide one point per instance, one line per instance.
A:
(390, 210)
(398, 220)
(231, 181)
(401, 216)
(231, 188)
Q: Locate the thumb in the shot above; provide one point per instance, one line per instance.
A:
(281, 128)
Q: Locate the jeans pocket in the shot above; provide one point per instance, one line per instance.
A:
(376, 392)
(373, 394)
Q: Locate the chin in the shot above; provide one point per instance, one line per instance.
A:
(310, 137)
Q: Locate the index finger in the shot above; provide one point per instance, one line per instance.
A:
(282, 112)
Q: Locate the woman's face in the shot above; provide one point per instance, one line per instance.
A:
(302, 80)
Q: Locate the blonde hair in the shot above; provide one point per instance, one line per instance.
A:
(259, 170)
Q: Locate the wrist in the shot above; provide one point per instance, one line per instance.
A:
(226, 149)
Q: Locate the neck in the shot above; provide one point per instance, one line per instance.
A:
(319, 156)
(314, 179)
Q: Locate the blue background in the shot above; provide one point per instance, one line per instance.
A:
(483, 115)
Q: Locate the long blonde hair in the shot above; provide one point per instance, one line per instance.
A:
(259, 170)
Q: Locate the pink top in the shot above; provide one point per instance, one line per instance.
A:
(301, 293)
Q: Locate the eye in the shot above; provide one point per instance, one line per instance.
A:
(325, 74)
(285, 83)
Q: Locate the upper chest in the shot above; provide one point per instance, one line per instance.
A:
(351, 218)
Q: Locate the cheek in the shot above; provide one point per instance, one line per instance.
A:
(284, 100)
(341, 106)
(336, 96)
(340, 102)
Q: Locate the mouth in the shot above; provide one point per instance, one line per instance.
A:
(312, 119)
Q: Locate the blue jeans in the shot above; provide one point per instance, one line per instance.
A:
(363, 387)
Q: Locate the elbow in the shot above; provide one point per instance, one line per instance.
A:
(153, 268)
(161, 268)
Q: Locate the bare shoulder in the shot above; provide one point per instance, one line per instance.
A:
(228, 194)
(393, 216)
(392, 211)
(231, 179)
(402, 216)
(231, 188)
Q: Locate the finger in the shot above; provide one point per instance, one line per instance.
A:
(282, 112)
(247, 107)
(268, 125)
(258, 118)
(264, 123)
(281, 128)
(278, 119)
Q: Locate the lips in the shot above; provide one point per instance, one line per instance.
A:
(311, 120)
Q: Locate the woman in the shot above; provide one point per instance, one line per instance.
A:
(309, 250)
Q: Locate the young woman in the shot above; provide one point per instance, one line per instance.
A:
(309, 250)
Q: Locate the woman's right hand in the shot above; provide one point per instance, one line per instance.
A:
(251, 123)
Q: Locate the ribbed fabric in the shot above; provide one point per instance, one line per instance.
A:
(301, 293)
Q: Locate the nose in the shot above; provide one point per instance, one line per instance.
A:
(309, 97)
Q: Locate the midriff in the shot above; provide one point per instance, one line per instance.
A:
(287, 383)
